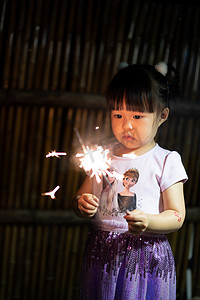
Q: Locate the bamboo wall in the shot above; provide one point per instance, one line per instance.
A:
(56, 58)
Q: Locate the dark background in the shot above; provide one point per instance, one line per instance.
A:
(56, 59)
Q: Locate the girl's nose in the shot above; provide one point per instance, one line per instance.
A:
(128, 125)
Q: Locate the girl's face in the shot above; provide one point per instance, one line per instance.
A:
(136, 130)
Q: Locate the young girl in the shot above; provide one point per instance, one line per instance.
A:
(127, 256)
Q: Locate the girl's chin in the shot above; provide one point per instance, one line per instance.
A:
(130, 144)
(127, 148)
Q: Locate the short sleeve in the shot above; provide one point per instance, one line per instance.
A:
(173, 171)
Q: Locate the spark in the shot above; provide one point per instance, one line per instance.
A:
(51, 193)
(97, 127)
(97, 162)
(55, 154)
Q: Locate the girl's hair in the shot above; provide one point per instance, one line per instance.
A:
(143, 88)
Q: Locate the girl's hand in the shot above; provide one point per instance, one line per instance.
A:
(88, 204)
(137, 221)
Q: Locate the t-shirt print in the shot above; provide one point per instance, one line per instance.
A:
(126, 198)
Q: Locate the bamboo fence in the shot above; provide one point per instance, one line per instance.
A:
(56, 58)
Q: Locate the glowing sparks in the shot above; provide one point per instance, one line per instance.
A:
(97, 127)
(51, 193)
(95, 162)
(55, 154)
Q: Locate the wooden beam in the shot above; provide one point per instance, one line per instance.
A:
(61, 99)
(60, 217)
(80, 100)
(40, 217)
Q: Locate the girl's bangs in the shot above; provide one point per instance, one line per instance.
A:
(140, 102)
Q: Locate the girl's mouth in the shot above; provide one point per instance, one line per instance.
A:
(128, 138)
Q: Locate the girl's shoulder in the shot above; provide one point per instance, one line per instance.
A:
(166, 154)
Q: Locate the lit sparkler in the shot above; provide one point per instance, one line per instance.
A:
(51, 193)
(96, 162)
(55, 154)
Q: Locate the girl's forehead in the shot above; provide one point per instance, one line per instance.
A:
(129, 109)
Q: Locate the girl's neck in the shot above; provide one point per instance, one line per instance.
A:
(121, 150)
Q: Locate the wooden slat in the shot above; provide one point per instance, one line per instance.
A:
(23, 75)
(90, 23)
(8, 42)
(4, 265)
(12, 262)
(30, 50)
(26, 264)
(33, 158)
(40, 42)
(51, 26)
(21, 157)
(36, 261)
(68, 46)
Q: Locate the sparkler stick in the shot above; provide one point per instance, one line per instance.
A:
(90, 154)
(80, 139)
(51, 193)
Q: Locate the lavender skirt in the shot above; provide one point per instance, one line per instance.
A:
(120, 266)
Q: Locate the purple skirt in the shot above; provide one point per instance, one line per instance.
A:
(121, 266)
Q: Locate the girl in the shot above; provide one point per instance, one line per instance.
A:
(127, 256)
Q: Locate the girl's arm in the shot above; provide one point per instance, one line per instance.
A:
(85, 204)
(171, 219)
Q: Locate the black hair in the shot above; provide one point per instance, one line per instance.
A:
(143, 88)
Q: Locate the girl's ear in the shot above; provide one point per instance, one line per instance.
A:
(164, 115)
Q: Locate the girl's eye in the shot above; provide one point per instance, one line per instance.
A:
(137, 117)
(118, 116)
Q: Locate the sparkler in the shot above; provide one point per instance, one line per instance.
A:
(55, 154)
(97, 163)
(52, 193)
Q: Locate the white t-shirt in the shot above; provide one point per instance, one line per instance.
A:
(151, 173)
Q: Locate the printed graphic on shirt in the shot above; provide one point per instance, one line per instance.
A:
(126, 198)
(114, 201)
